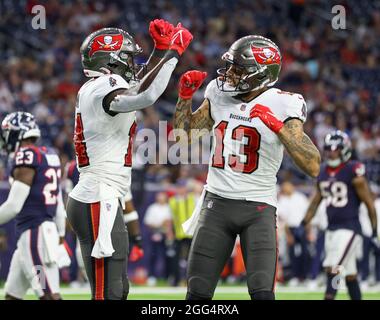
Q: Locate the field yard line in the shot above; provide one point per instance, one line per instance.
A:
(178, 290)
(182, 290)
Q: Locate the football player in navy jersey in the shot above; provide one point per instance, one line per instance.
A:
(342, 183)
(35, 201)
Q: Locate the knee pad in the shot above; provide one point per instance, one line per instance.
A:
(199, 289)
(262, 295)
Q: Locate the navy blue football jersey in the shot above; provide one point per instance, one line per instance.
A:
(342, 201)
(41, 204)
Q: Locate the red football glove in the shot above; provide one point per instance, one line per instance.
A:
(161, 32)
(266, 115)
(181, 39)
(136, 253)
(190, 82)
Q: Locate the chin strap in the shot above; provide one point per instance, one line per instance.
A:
(334, 163)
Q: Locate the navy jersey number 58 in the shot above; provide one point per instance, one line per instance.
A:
(335, 193)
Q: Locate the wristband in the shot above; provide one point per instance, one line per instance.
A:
(130, 216)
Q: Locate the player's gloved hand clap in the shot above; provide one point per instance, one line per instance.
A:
(190, 82)
(266, 115)
(137, 251)
(161, 32)
(180, 39)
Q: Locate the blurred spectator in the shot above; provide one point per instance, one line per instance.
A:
(292, 206)
(316, 238)
(370, 258)
(182, 205)
(157, 219)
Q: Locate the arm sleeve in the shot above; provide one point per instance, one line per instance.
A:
(60, 217)
(128, 103)
(16, 198)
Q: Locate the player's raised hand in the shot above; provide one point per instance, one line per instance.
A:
(181, 39)
(190, 82)
(266, 115)
(161, 32)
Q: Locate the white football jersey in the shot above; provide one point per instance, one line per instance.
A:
(102, 143)
(246, 155)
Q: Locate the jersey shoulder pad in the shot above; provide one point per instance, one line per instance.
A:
(294, 105)
(211, 90)
(30, 156)
(52, 157)
(358, 168)
(108, 83)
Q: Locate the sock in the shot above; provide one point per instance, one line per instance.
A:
(354, 289)
(331, 288)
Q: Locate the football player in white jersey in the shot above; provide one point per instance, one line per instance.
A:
(104, 129)
(251, 123)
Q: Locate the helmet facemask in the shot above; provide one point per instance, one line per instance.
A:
(260, 61)
(124, 65)
(251, 79)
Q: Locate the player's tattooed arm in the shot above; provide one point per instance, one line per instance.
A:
(364, 193)
(193, 124)
(313, 206)
(302, 150)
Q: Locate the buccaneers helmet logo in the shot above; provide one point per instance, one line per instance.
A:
(106, 43)
(267, 55)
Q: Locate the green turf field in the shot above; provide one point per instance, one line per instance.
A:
(226, 296)
(222, 293)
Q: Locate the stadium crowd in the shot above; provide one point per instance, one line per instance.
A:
(335, 70)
